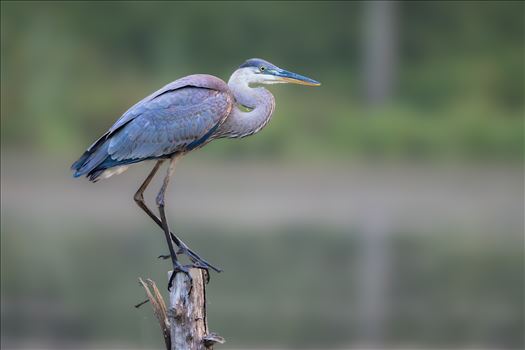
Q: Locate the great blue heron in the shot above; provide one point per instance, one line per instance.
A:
(182, 116)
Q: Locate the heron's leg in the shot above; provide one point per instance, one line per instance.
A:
(139, 199)
(160, 204)
(139, 195)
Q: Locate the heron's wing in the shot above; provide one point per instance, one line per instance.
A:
(204, 81)
(173, 119)
(180, 116)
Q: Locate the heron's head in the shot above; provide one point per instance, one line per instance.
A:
(259, 71)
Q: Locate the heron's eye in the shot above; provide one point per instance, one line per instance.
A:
(262, 68)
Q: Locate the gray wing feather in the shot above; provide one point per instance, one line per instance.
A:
(180, 116)
(167, 121)
(195, 80)
(205, 81)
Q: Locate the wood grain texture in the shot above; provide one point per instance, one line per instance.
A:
(187, 313)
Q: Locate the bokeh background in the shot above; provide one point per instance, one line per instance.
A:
(383, 209)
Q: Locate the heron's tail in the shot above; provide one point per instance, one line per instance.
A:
(88, 163)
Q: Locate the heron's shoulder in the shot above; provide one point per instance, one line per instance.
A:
(201, 80)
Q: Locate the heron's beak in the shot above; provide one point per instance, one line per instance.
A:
(294, 78)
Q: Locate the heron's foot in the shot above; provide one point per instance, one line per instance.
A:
(197, 261)
(177, 267)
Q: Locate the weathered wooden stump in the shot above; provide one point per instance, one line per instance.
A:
(183, 323)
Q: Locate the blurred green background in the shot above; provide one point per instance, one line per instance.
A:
(383, 209)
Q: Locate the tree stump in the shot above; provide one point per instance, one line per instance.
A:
(183, 323)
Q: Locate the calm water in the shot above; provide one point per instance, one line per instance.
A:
(331, 258)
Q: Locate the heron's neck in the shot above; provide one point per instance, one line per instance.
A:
(252, 111)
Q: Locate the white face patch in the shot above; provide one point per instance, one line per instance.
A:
(253, 76)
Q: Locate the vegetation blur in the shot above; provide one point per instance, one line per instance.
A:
(71, 68)
(384, 208)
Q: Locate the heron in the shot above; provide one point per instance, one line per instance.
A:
(182, 116)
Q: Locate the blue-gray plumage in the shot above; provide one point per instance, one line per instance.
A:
(164, 123)
(182, 116)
